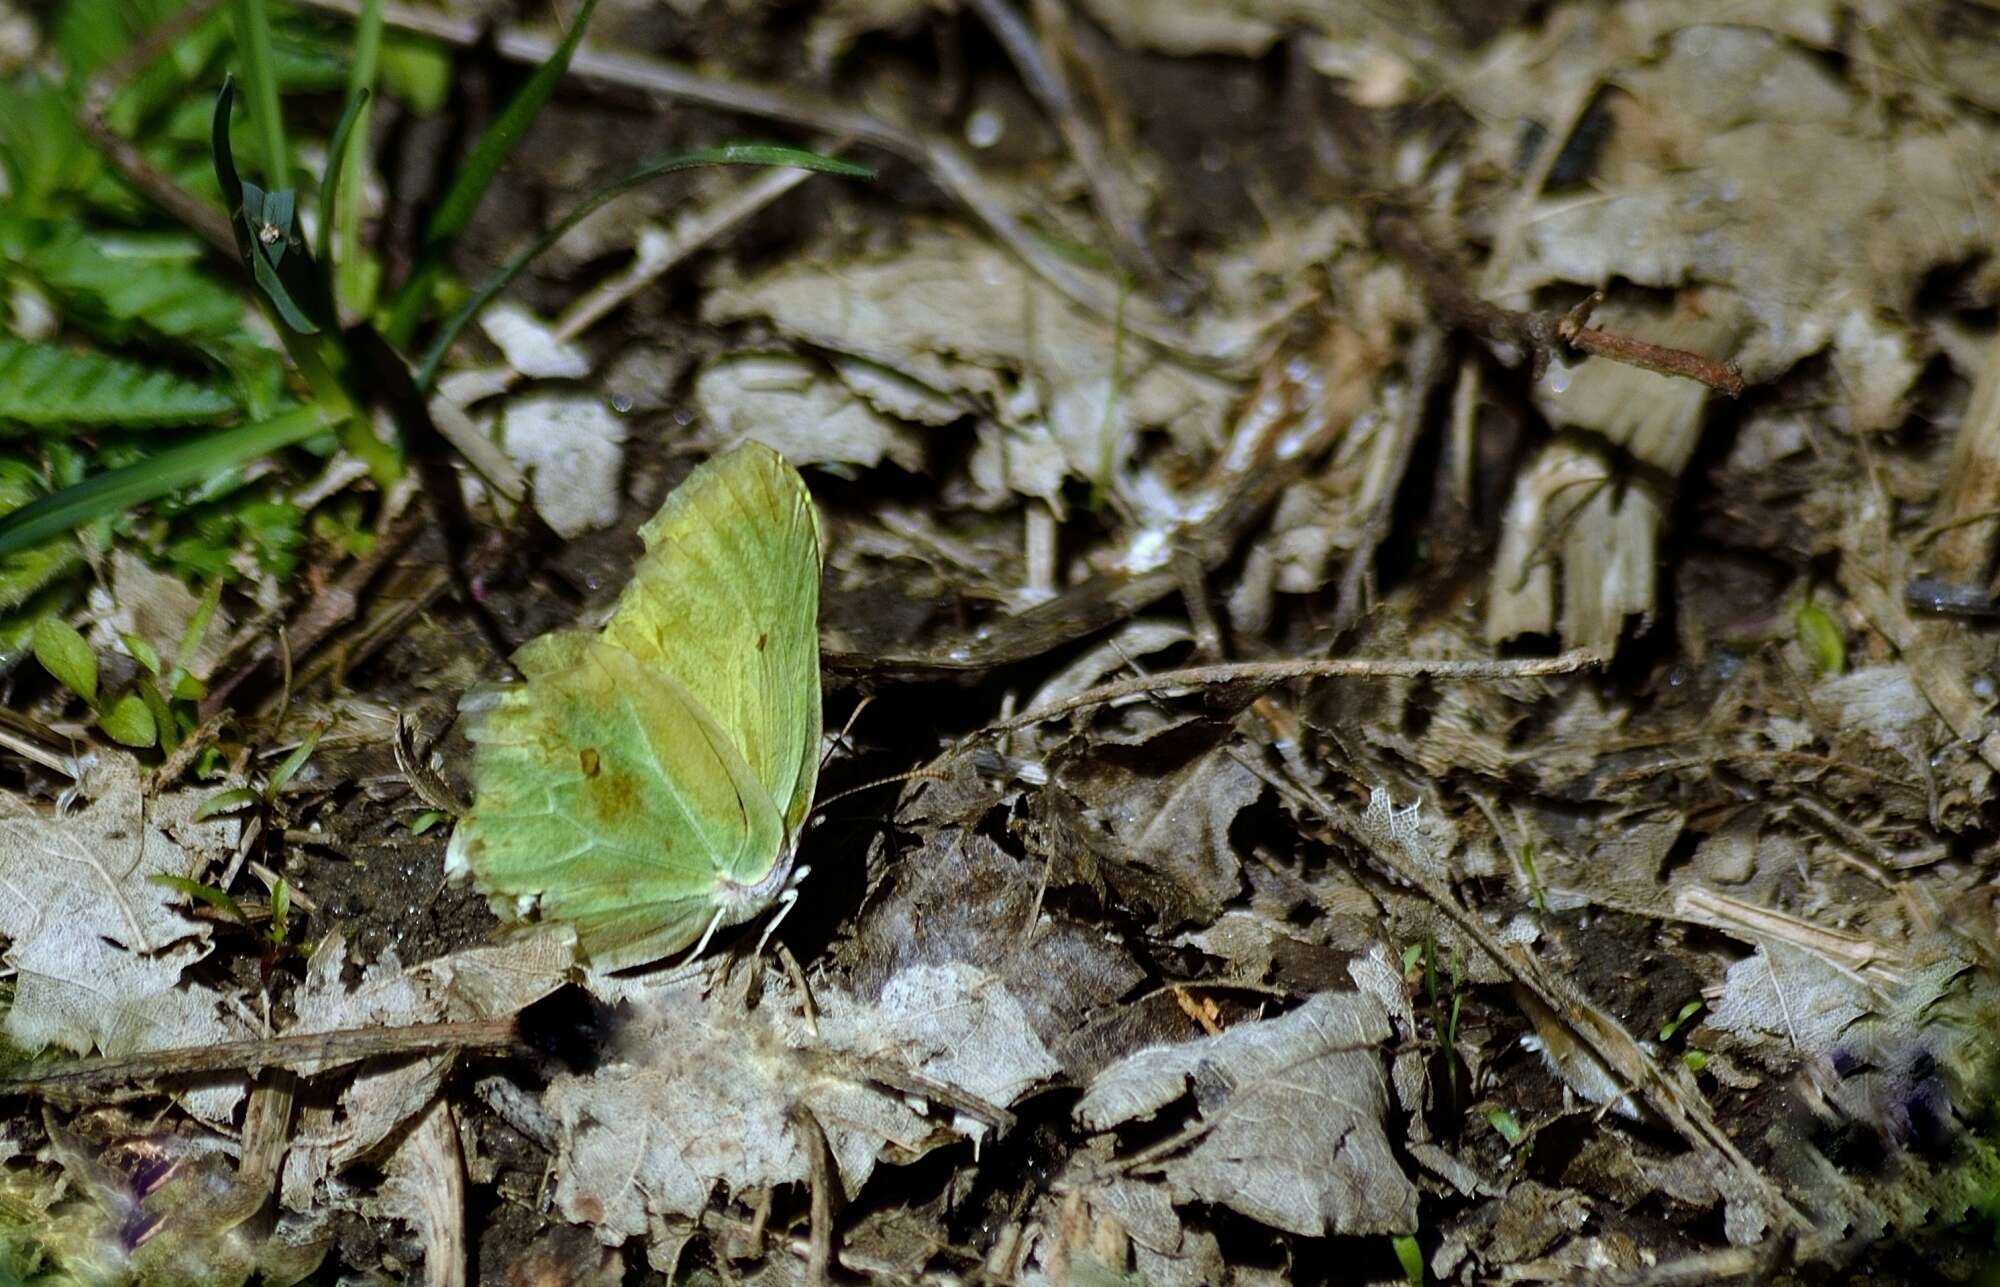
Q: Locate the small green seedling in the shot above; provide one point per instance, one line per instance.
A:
(160, 707)
(1674, 1025)
(1411, 1257)
(1509, 1126)
(1527, 856)
(244, 797)
(1822, 639)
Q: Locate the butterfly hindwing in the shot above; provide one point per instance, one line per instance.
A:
(608, 794)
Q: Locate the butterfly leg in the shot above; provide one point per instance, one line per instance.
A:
(715, 923)
(782, 907)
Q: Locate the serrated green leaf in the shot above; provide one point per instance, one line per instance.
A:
(53, 388)
(227, 802)
(117, 285)
(93, 33)
(41, 145)
(67, 656)
(130, 722)
(219, 899)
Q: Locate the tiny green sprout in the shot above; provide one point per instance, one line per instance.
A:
(294, 762)
(227, 802)
(1527, 855)
(281, 910)
(1507, 1124)
(1687, 1012)
(1412, 955)
(1411, 1257)
(1821, 637)
(1695, 1060)
(426, 820)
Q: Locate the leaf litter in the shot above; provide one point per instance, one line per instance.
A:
(1681, 967)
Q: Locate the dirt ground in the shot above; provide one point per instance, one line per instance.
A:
(1407, 648)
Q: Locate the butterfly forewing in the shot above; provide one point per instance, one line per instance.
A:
(726, 599)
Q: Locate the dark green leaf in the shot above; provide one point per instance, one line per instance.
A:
(154, 477)
(454, 212)
(336, 165)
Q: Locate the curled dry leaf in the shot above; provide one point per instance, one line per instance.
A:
(1287, 1119)
(705, 1092)
(97, 947)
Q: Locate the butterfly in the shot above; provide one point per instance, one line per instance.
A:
(646, 783)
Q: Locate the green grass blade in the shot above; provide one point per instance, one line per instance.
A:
(454, 213)
(54, 388)
(120, 489)
(336, 165)
(354, 279)
(260, 81)
(733, 154)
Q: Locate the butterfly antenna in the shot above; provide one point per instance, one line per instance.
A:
(846, 728)
(933, 775)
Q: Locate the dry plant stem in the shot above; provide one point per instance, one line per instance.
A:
(300, 1051)
(438, 1178)
(1543, 335)
(944, 163)
(1301, 404)
(1044, 79)
(267, 1128)
(819, 1256)
(1968, 513)
(30, 744)
(1265, 673)
(432, 789)
(1597, 1030)
(1357, 581)
(332, 607)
